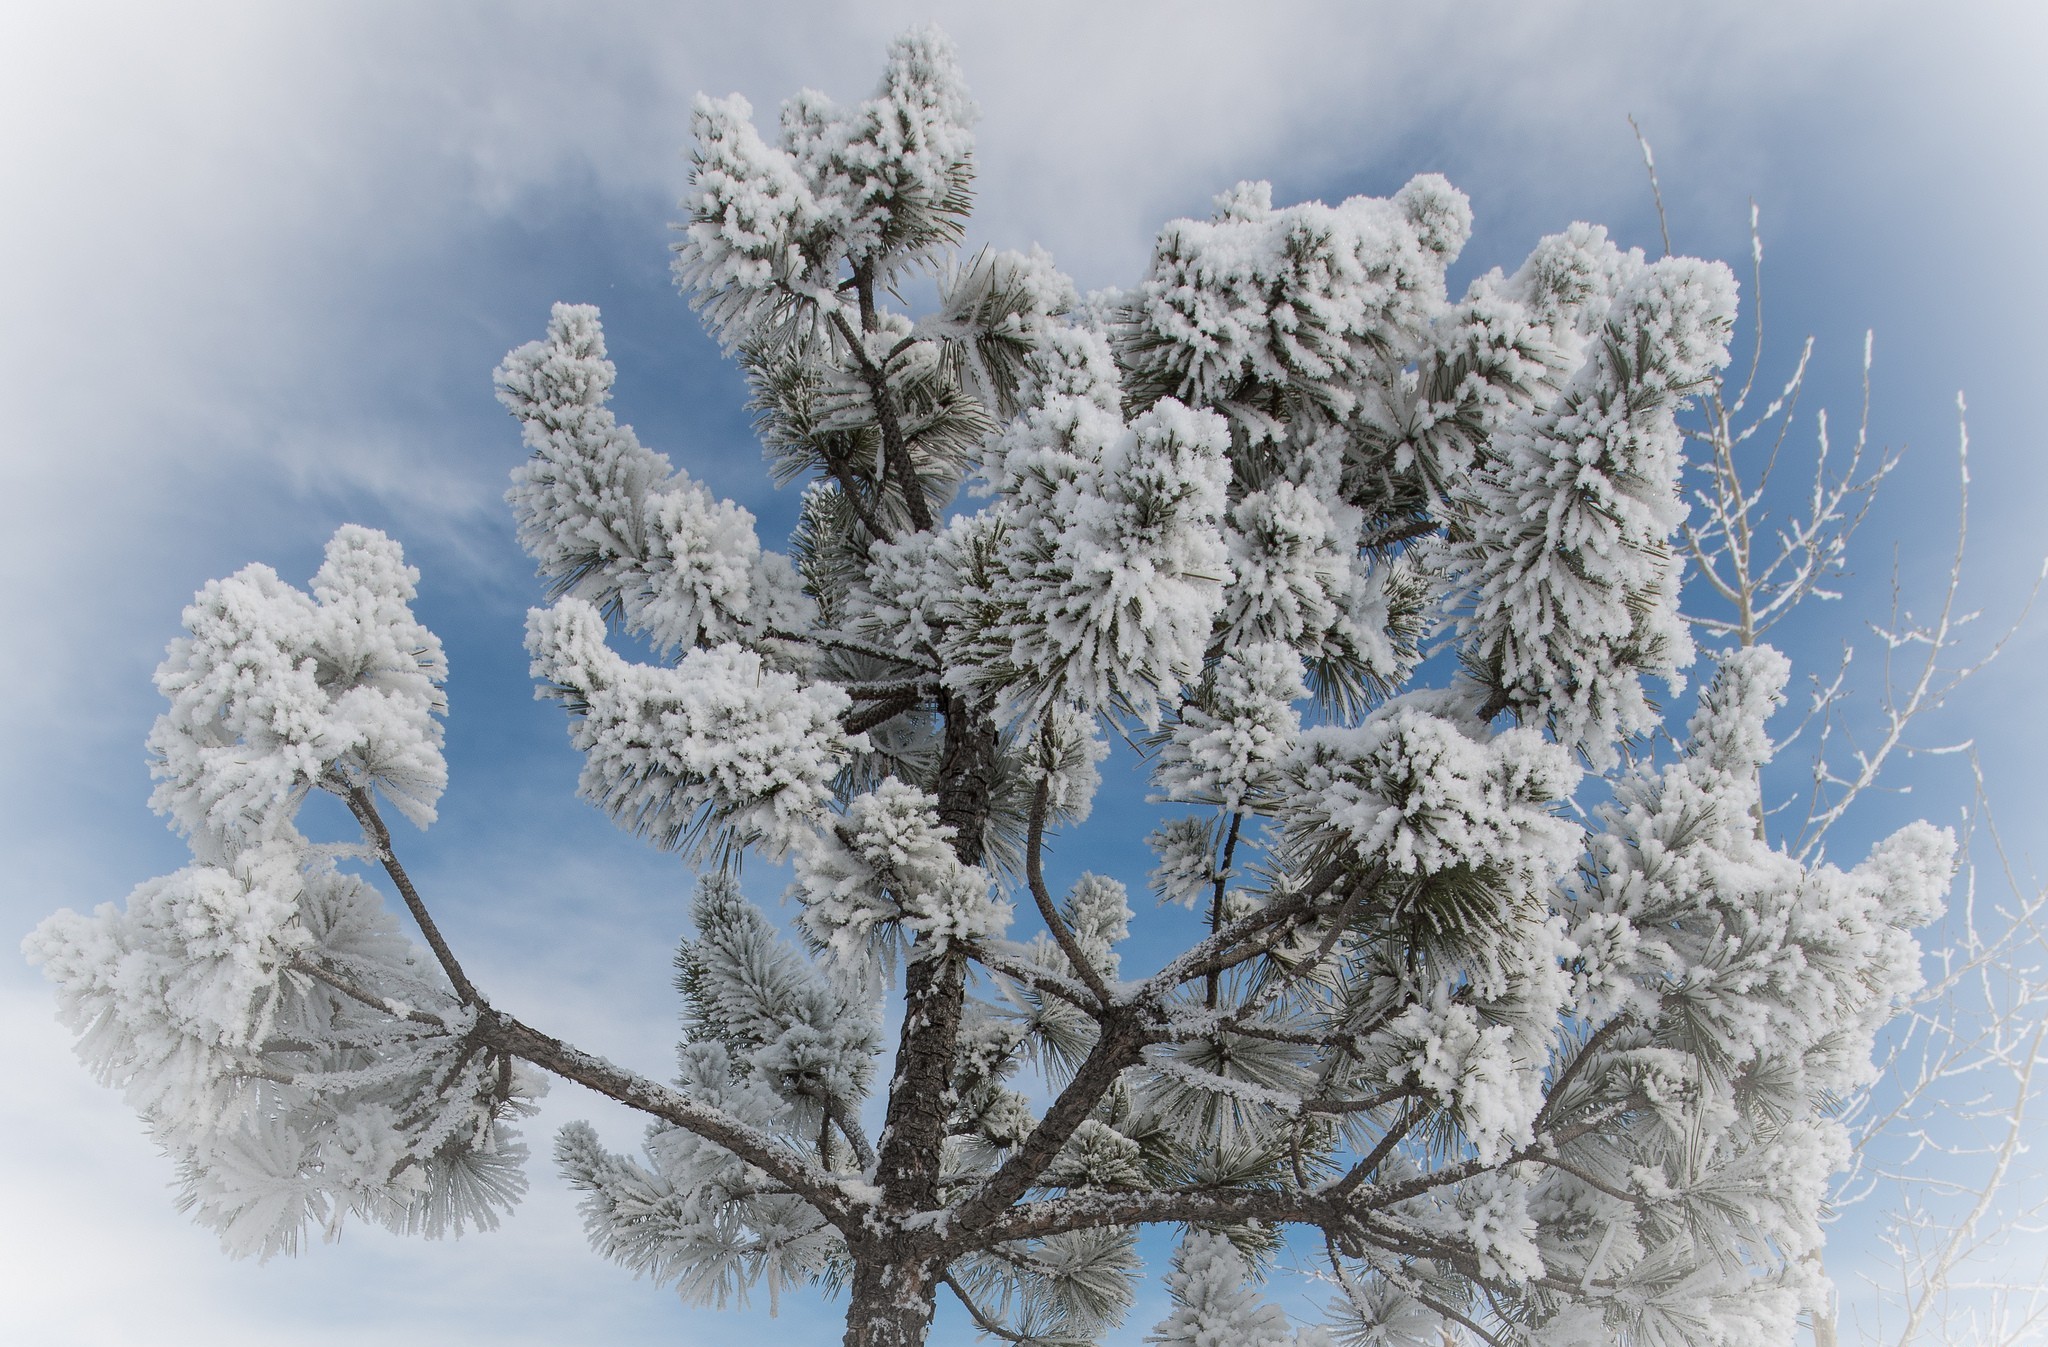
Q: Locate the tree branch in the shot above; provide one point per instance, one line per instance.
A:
(355, 992)
(850, 1128)
(895, 448)
(1034, 872)
(1092, 1211)
(759, 1149)
(1598, 1040)
(1040, 980)
(1197, 961)
(881, 713)
(365, 809)
(1377, 1156)
(846, 644)
(1392, 1095)
(849, 483)
(982, 1320)
(1117, 1048)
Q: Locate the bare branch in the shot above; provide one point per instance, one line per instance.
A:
(1034, 870)
(757, 1148)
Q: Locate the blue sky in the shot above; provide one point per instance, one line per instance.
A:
(263, 258)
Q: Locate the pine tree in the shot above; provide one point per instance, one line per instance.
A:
(1520, 1028)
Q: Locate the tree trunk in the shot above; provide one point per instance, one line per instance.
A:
(921, 1094)
(935, 987)
(1824, 1313)
(892, 1303)
(895, 1286)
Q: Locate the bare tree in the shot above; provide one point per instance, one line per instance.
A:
(1939, 1133)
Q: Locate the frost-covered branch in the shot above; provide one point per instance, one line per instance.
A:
(818, 1188)
(1034, 867)
(365, 809)
(1905, 699)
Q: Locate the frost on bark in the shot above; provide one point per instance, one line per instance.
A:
(1506, 1069)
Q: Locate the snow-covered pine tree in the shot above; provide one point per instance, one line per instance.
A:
(1520, 1032)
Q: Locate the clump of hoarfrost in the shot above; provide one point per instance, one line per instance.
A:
(1686, 911)
(610, 522)
(1186, 851)
(1758, 985)
(1098, 911)
(1474, 1068)
(1110, 565)
(288, 1103)
(886, 872)
(1422, 786)
(1726, 733)
(1497, 1224)
(721, 747)
(1216, 1302)
(1227, 747)
(1574, 586)
(1066, 756)
(1298, 578)
(883, 183)
(192, 968)
(1306, 299)
(273, 692)
(996, 313)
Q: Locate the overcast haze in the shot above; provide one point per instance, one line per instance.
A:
(262, 259)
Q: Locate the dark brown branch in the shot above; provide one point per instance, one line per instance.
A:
(846, 644)
(1407, 1241)
(1278, 933)
(1491, 1339)
(1593, 1044)
(1119, 1047)
(1054, 1216)
(1376, 1157)
(1387, 1195)
(1333, 1208)
(849, 486)
(849, 1127)
(365, 809)
(1040, 980)
(920, 1103)
(895, 447)
(1212, 951)
(1392, 1095)
(1598, 1185)
(1214, 978)
(1267, 1034)
(982, 1320)
(767, 1154)
(881, 713)
(1398, 533)
(347, 987)
(922, 688)
(1314, 960)
(1034, 873)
